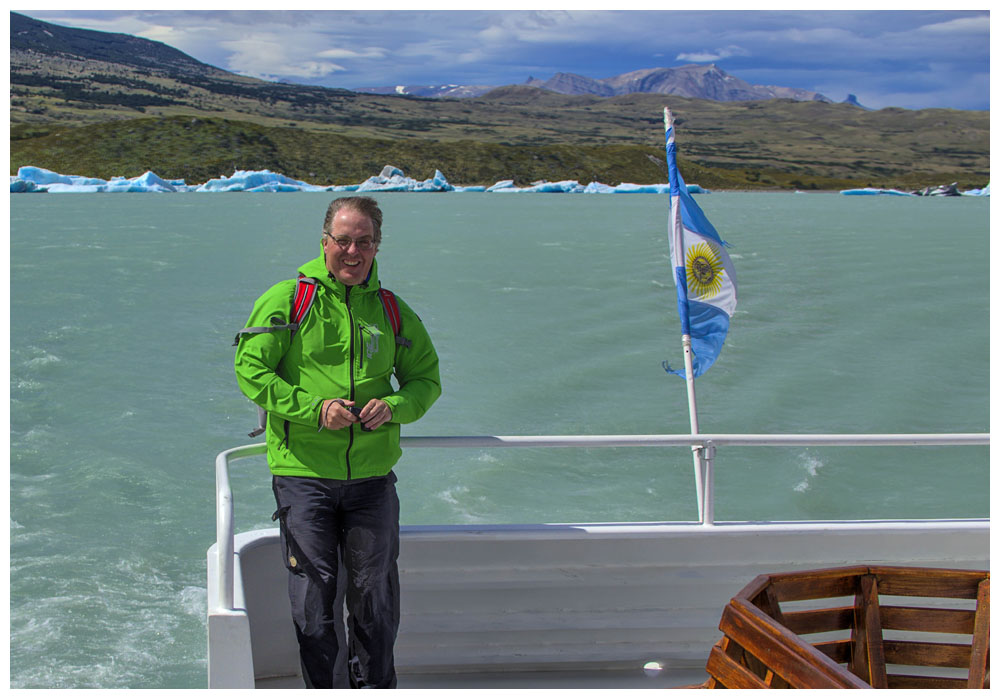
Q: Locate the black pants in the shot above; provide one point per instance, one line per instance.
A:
(328, 525)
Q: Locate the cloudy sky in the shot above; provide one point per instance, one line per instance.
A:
(912, 59)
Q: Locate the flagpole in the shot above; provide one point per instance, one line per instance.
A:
(699, 469)
(675, 216)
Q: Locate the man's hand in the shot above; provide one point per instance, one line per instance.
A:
(376, 413)
(334, 414)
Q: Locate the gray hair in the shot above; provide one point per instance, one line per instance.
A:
(363, 205)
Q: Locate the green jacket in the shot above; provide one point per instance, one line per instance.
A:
(344, 348)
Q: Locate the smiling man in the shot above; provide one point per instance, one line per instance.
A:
(317, 354)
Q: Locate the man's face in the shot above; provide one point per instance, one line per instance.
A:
(349, 264)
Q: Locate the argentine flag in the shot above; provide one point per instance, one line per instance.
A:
(703, 272)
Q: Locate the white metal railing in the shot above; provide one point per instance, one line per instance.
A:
(702, 444)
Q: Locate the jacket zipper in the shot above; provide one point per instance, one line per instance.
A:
(350, 372)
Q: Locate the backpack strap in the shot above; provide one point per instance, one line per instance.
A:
(305, 296)
(302, 301)
(392, 313)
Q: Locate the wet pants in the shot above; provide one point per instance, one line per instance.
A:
(342, 529)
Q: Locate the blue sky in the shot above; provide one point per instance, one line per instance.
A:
(887, 58)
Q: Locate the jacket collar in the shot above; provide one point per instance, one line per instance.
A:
(316, 268)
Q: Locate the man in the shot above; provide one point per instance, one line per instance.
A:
(331, 467)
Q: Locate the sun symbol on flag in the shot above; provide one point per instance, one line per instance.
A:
(704, 270)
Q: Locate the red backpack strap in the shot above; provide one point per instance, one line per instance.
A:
(302, 301)
(392, 313)
(305, 295)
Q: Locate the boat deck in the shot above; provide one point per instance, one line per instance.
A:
(617, 678)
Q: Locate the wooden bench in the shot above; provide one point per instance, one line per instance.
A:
(790, 630)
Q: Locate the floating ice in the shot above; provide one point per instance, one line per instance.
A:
(598, 188)
(256, 181)
(875, 191)
(391, 179)
(629, 188)
(36, 179)
(984, 192)
(950, 190)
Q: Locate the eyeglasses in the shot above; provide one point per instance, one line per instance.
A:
(344, 242)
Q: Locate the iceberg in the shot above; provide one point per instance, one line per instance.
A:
(36, 179)
(502, 184)
(984, 192)
(629, 188)
(257, 181)
(41, 176)
(598, 188)
(875, 191)
(19, 185)
(391, 179)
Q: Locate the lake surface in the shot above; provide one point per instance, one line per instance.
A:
(552, 314)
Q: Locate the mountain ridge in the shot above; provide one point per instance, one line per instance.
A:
(696, 81)
(692, 80)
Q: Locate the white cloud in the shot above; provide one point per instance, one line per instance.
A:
(370, 52)
(266, 56)
(962, 25)
(712, 56)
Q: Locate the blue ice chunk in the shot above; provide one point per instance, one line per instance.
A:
(502, 184)
(566, 186)
(46, 180)
(984, 192)
(147, 182)
(40, 175)
(393, 180)
(875, 191)
(258, 181)
(598, 188)
(61, 188)
(438, 183)
(390, 171)
(629, 188)
(19, 185)
(378, 183)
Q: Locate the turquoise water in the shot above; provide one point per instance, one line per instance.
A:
(552, 315)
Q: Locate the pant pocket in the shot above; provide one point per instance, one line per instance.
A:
(294, 560)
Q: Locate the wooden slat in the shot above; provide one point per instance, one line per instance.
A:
(816, 584)
(927, 654)
(922, 682)
(744, 658)
(729, 674)
(927, 619)
(868, 660)
(837, 651)
(767, 602)
(755, 586)
(929, 582)
(979, 663)
(791, 657)
(775, 681)
(820, 620)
